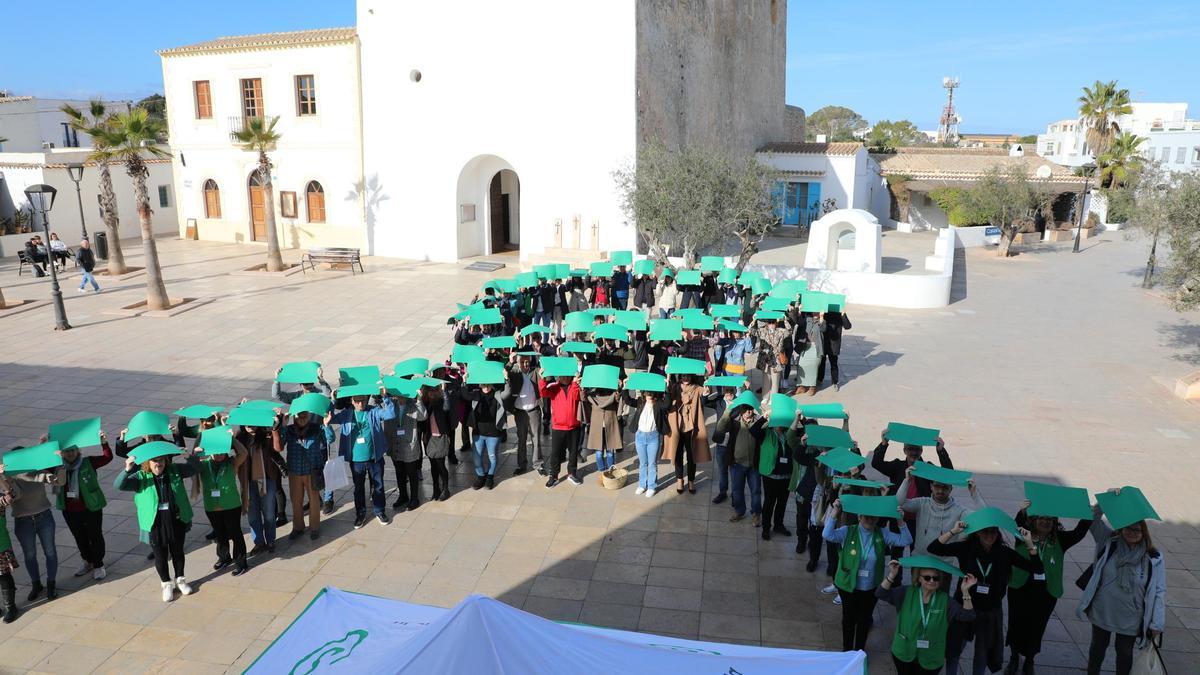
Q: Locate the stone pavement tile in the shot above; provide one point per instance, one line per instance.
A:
(664, 597)
(720, 562)
(691, 560)
(555, 609)
(625, 537)
(629, 555)
(238, 623)
(83, 604)
(74, 658)
(128, 663)
(669, 621)
(616, 593)
(543, 515)
(565, 549)
(523, 545)
(740, 604)
(796, 634)
(133, 611)
(569, 569)
(492, 583)
(252, 651)
(105, 634)
(675, 577)
(683, 525)
(641, 522)
(187, 667)
(352, 567)
(727, 545)
(50, 627)
(1062, 654)
(439, 594)
(515, 564)
(183, 614)
(22, 653)
(158, 641)
(219, 649)
(679, 542)
(621, 573)
(610, 615)
(730, 582)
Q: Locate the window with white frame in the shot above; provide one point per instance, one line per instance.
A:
(1180, 155)
(1196, 155)
(1165, 156)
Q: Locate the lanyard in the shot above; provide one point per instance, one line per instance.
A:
(924, 613)
(984, 572)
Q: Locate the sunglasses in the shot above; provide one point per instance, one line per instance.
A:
(929, 577)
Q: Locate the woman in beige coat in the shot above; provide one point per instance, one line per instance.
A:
(687, 433)
(604, 431)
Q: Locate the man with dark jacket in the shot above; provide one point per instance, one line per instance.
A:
(620, 288)
(895, 470)
(36, 258)
(524, 404)
(643, 291)
(87, 263)
(743, 434)
(834, 323)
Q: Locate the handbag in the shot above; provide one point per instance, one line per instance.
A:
(336, 474)
(1148, 660)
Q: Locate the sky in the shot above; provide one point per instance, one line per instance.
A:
(1018, 71)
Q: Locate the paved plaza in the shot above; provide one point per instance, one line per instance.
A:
(1050, 365)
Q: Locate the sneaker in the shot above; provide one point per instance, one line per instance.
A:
(296, 534)
(520, 470)
(640, 490)
(756, 519)
(82, 290)
(736, 517)
(551, 481)
(836, 387)
(314, 535)
(359, 522)
(99, 573)
(780, 529)
(222, 563)
(574, 479)
(829, 590)
(478, 484)
(382, 518)
(650, 492)
(35, 591)
(327, 509)
(183, 586)
(719, 498)
(168, 591)
(837, 599)
(541, 471)
(87, 567)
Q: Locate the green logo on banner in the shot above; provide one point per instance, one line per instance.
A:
(338, 649)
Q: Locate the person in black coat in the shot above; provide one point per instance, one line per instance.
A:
(643, 291)
(36, 258)
(835, 322)
(87, 262)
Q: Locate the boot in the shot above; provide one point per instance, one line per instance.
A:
(1028, 668)
(8, 592)
(51, 591)
(1013, 662)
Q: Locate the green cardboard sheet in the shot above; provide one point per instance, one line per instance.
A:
(760, 286)
(262, 403)
(314, 402)
(148, 423)
(199, 411)
(712, 263)
(911, 435)
(399, 386)
(745, 398)
(679, 365)
(611, 331)
(219, 440)
(562, 270)
(153, 450)
(783, 411)
(466, 353)
(666, 330)
(501, 285)
(356, 390)
(485, 316)
(722, 311)
(880, 507)
(409, 367)
(465, 311)
(486, 372)
(254, 417)
(601, 269)
(359, 375)
(630, 319)
(579, 322)
(577, 348)
(644, 267)
(526, 279)
(534, 328)
(559, 366)
(725, 381)
(938, 474)
(546, 271)
(76, 433)
(646, 382)
(298, 372)
(821, 436)
(621, 258)
(600, 376)
(666, 272)
(1126, 508)
(841, 460)
(731, 326)
(579, 272)
(860, 482)
(746, 279)
(989, 516)
(698, 322)
(930, 562)
(688, 278)
(768, 315)
(33, 458)
(788, 288)
(1058, 501)
(500, 342)
(776, 304)
(823, 411)
(727, 275)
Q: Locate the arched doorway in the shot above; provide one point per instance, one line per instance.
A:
(258, 207)
(488, 208)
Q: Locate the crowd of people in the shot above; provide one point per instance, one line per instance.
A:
(585, 365)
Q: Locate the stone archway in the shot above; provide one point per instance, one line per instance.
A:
(487, 208)
(823, 242)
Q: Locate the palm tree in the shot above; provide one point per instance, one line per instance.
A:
(1099, 107)
(92, 123)
(1121, 159)
(259, 136)
(127, 137)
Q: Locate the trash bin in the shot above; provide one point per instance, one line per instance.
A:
(101, 245)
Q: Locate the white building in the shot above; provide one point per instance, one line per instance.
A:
(448, 130)
(34, 124)
(1171, 138)
(818, 178)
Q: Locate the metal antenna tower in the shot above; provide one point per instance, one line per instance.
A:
(948, 124)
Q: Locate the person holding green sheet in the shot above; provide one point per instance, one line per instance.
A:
(688, 433)
(643, 286)
(223, 503)
(82, 504)
(859, 568)
(835, 323)
(930, 516)
(34, 524)
(743, 433)
(1032, 597)
(260, 478)
(164, 513)
(924, 614)
(774, 345)
(361, 442)
(404, 447)
(525, 406)
(808, 340)
(287, 397)
(603, 431)
(305, 446)
(487, 419)
(777, 456)
(8, 560)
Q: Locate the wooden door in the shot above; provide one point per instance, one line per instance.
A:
(499, 233)
(258, 214)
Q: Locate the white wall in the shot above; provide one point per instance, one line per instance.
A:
(542, 87)
(845, 178)
(324, 147)
(28, 123)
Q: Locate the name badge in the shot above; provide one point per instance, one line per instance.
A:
(215, 494)
(922, 644)
(360, 440)
(399, 432)
(72, 494)
(982, 589)
(783, 460)
(866, 574)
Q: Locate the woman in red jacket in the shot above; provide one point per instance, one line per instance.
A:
(564, 395)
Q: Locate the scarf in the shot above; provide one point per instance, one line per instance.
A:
(73, 474)
(1128, 561)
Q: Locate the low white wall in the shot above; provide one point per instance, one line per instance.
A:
(970, 237)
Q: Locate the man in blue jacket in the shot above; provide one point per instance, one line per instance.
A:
(363, 444)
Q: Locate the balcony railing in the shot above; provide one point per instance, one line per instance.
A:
(237, 124)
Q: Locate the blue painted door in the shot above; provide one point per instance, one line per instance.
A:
(813, 203)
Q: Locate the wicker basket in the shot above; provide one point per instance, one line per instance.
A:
(614, 479)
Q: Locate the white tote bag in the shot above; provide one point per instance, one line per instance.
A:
(1148, 661)
(337, 474)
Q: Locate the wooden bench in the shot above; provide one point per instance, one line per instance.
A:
(333, 256)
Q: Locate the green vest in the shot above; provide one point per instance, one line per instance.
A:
(1051, 554)
(89, 489)
(146, 498)
(847, 572)
(222, 481)
(768, 453)
(910, 628)
(5, 542)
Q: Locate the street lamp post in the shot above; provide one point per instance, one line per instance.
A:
(41, 198)
(75, 171)
(1088, 170)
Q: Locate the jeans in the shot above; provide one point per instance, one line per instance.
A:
(261, 513)
(721, 463)
(88, 529)
(30, 529)
(491, 444)
(1099, 647)
(529, 428)
(647, 444)
(605, 459)
(665, 313)
(85, 278)
(360, 472)
(741, 475)
(542, 319)
(619, 301)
